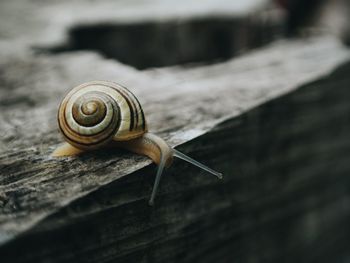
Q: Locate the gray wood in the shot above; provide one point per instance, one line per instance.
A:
(273, 121)
(38, 192)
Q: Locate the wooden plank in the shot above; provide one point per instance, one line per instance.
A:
(33, 185)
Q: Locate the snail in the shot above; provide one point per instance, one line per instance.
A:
(101, 114)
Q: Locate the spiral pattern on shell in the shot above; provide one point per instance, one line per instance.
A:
(97, 112)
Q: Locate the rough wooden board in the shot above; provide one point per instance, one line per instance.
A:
(285, 197)
(33, 185)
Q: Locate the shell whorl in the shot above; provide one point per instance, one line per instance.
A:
(97, 112)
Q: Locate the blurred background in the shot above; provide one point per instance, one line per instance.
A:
(146, 34)
(168, 33)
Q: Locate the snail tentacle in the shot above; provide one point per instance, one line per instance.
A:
(188, 159)
(160, 169)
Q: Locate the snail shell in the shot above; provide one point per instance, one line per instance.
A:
(97, 112)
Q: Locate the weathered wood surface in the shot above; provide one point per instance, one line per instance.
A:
(281, 143)
(46, 199)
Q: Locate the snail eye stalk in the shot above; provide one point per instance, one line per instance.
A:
(156, 182)
(188, 159)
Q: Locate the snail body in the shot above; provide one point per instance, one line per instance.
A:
(98, 114)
